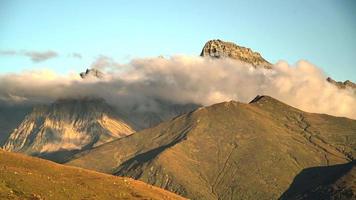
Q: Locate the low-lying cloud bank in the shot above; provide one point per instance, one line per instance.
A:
(185, 79)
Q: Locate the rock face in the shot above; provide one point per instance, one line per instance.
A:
(67, 126)
(221, 49)
(92, 73)
(342, 85)
(229, 150)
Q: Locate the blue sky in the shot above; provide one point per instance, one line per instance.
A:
(320, 31)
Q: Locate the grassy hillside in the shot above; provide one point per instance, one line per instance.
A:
(229, 150)
(23, 177)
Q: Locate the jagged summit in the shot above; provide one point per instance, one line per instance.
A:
(220, 49)
(92, 73)
(342, 85)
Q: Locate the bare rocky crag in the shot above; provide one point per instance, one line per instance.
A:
(92, 73)
(65, 127)
(342, 85)
(229, 150)
(221, 49)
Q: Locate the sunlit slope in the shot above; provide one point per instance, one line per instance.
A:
(23, 177)
(65, 127)
(229, 150)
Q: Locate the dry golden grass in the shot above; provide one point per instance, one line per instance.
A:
(23, 177)
(229, 150)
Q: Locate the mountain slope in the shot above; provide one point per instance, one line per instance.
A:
(10, 118)
(167, 110)
(229, 150)
(23, 177)
(221, 49)
(57, 131)
(327, 182)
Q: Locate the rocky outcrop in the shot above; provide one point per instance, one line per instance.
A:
(92, 73)
(69, 125)
(221, 49)
(342, 85)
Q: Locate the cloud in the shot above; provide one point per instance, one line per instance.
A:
(76, 55)
(40, 56)
(8, 52)
(105, 62)
(186, 79)
(35, 56)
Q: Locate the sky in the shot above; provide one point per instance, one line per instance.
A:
(68, 36)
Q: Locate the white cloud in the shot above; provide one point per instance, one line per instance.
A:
(186, 79)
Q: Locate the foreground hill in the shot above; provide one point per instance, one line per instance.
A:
(229, 150)
(67, 126)
(23, 177)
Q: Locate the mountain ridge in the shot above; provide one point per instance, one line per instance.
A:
(197, 154)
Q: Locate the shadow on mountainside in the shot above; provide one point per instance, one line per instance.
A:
(325, 182)
(61, 156)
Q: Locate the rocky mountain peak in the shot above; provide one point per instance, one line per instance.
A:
(221, 49)
(92, 73)
(342, 85)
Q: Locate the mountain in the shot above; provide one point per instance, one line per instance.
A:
(149, 118)
(67, 126)
(342, 85)
(92, 73)
(229, 150)
(138, 115)
(220, 49)
(326, 182)
(23, 177)
(10, 118)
